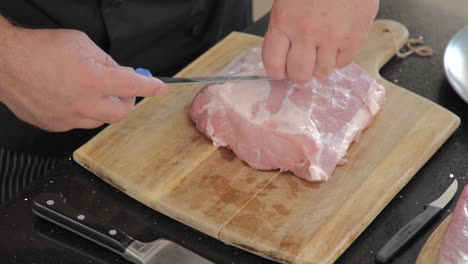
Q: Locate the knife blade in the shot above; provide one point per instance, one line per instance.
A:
(416, 225)
(54, 208)
(207, 79)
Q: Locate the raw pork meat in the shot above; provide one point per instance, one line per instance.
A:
(454, 247)
(305, 129)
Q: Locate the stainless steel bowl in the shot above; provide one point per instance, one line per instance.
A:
(456, 63)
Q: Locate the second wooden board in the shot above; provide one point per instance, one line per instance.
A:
(430, 252)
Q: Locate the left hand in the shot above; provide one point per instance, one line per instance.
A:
(312, 37)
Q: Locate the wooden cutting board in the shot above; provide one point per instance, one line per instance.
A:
(430, 252)
(158, 157)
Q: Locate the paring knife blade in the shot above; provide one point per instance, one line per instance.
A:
(208, 79)
(54, 208)
(416, 225)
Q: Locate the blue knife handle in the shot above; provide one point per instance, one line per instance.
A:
(406, 234)
(143, 71)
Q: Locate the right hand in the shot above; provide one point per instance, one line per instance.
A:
(59, 80)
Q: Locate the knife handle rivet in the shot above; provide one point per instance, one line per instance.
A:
(112, 232)
(50, 202)
(80, 217)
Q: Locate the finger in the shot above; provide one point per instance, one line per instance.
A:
(103, 58)
(125, 82)
(100, 56)
(301, 62)
(346, 56)
(274, 53)
(91, 49)
(112, 109)
(325, 62)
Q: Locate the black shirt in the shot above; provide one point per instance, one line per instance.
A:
(161, 35)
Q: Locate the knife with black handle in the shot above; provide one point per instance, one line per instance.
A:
(415, 226)
(54, 208)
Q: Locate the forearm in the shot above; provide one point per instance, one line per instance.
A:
(5, 27)
(5, 34)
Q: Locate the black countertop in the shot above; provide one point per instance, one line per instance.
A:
(26, 239)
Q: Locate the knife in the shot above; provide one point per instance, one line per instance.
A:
(414, 227)
(53, 207)
(209, 79)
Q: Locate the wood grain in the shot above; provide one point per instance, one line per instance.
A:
(157, 157)
(430, 252)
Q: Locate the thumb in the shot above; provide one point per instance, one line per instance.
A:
(125, 82)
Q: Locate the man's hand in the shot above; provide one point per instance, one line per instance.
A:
(59, 80)
(312, 37)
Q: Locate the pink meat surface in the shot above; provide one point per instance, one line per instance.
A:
(454, 247)
(305, 129)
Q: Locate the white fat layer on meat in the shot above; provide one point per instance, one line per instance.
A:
(376, 93)
(317, 174)
(212, 105)
(361, 118)
(218, 142)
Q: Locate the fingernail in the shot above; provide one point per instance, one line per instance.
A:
(160, 90)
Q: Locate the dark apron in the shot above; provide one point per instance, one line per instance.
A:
(162, 36)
